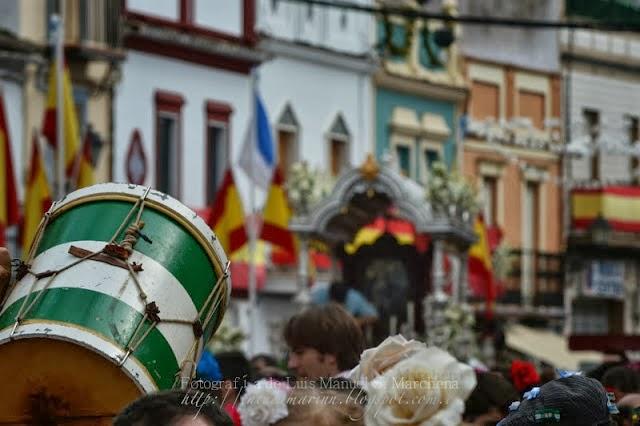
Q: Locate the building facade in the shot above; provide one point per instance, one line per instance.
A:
(93, 57)
(512, 149)
(602, 81)
(420, 92)
(317, 89)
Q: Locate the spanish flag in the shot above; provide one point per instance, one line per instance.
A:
(481, 267)
(37, 197)
(83, 169)
(276, 215)
(9, 214)
(227, 216)
(70, 119)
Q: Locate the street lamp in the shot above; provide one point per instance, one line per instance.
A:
(600, 230)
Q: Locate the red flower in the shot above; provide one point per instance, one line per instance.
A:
(524, 375)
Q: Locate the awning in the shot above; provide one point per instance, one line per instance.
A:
(549, 347)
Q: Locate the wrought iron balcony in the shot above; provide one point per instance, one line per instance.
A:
(540, 273)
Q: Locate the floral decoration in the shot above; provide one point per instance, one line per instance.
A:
(414, 384)
(449, 193)
(306, 187)
(524, 375)
(264, 403)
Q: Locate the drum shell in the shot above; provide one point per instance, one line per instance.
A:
(98, 306)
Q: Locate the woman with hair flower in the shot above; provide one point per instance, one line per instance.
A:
(326, 403)
(408, 383)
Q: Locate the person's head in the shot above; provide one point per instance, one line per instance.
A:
(547, 374)
(324, 407)
(621, 380)
(173, 408)
(572, 400)
(208, 368)
(323, 341)
(263, 360)
(235, 370)
(629, 407)
(338, 291)
(489, 402)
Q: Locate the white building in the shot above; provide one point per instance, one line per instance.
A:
(317, 89)
(185, 95)
(602, 89)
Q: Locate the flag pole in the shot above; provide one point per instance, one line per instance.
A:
(59, 52)
(253, 306)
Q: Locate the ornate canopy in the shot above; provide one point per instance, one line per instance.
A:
(361, 194)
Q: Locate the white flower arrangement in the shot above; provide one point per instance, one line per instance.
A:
(449, 192)
(306, 187)
(409, 383)
(450, 327)
(264, 403)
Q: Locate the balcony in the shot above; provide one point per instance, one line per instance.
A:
(92, 28)
(542, 273)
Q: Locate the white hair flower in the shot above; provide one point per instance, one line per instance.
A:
(414, 384)
(264, 403)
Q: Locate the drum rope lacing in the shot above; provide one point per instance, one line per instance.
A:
(122, 251)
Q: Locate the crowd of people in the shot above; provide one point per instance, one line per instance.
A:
(330, 378)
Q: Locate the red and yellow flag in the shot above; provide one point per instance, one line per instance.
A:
(276, 215)
(83, 169)
(37, 197)
(481, 268)
(9, 214)
(70, 119)
(227, 216)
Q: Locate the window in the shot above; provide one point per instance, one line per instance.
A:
(431, 157)
(485, 101)
(216, 145)
(339, 138)
(286, 150)
(632, 128)
(431, 152)
(490, 199)
(403, 154)
(592, 123)
(274, 5)
(338, 156)
(531, 105)
(309, 12)
(343, 20)
(168, 140)
(287, 133)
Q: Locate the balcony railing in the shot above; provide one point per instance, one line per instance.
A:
(541, 273)
(99, 22)
(89, 23)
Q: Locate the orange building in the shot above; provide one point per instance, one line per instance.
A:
(511, 152)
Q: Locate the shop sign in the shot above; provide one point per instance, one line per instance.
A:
(605, 279)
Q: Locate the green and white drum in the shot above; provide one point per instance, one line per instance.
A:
(124, 288)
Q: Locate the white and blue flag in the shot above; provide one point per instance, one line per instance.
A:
(258, 159)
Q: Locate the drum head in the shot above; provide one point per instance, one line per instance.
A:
(48, 381)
